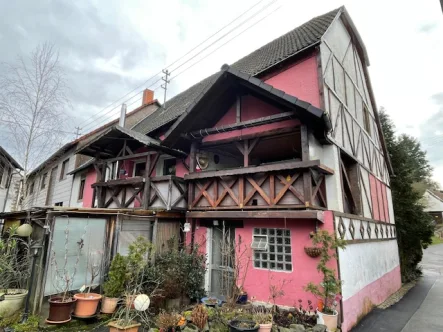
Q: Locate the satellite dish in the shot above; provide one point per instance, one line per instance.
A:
(203, 160)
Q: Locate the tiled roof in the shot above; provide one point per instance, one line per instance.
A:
(302, 37)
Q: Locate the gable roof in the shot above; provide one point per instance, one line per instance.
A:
(14, 163)
(435, 204)
(301, 38)
(84, 139)
(222, 92)
(106, 141)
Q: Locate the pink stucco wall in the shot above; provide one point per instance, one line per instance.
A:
(91, 177)
(373, 294)
(304, 270)
(251, 108)
(299, 80)
(379, 199)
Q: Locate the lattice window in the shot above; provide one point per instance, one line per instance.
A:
(272, 249)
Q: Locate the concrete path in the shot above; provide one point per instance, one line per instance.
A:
(421, 309)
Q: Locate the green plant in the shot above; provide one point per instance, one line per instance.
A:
(14, 261)
(115, 285)
(30, 325)
(262, 316)
(331, 285)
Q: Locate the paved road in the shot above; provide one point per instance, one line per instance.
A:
(422, 307)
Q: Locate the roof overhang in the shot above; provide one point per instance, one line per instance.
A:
(11, 160)
(213, 101)
(294, 214)
(110, 142)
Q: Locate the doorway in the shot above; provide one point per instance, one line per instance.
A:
(221, 256)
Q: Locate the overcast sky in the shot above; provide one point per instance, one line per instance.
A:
(109, 48)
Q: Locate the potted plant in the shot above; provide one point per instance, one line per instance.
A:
(238, 325)
(15, 264)
(87, 303)
(199, 317)
(330, 286)
(114, 287)
(168, 322)
(264, 319)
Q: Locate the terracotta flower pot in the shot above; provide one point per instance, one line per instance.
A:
(329, 320)
(265, 328)
(87, 304)
(59, 310)
(109, 304)
(114, 327)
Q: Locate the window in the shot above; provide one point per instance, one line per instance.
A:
(64, 171)
(2, 171)
(169, 166)
(58, 204)
(81, 190)
(272, 249)
(366, 120)
(350, 185)
(44, 178)
(31, 188)
(139, 168)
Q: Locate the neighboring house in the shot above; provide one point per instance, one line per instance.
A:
(282, 142)
(433, 201)
(50, 184)
(10, 176)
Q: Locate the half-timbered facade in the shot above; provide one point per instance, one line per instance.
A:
(283, 142)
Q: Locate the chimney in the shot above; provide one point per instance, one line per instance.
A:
(148, 97)
(122, 120)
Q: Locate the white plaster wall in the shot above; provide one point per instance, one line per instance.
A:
(365, 193)
(390, 206)
(432, 203)
(74, 202)
(333, 182)
(362, 264)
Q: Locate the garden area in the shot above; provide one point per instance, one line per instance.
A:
(159, 292)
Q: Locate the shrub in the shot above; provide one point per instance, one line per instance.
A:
(115, 285)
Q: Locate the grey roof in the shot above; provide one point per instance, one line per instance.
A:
(14, 163)
(83, 166)
(305, 36)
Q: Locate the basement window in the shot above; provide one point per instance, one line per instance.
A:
(272, 249)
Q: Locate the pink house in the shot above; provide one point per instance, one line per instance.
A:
(283, 142)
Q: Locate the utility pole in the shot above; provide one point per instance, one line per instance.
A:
(165, 85)
(77, 132)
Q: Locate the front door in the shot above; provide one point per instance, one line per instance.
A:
(221, 260)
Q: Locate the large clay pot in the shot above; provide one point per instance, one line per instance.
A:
(114, 327)
(265, 328)
(109, 304)
(87, 304)
(329, 320)
(13, 302)
(59, 310)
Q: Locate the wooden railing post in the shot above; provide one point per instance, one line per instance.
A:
(147, 187)
(192, 166)
(307, 181)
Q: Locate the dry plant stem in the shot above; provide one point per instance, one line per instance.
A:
(64, 279)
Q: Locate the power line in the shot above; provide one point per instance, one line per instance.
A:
(249, 9)
(174, 77)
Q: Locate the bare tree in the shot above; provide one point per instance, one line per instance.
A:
(32, 104)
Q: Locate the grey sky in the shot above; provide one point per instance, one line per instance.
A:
(110, 47)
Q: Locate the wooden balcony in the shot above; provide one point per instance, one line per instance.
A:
(285, 185)
(165, 193)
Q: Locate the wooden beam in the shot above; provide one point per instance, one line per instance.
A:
(133, 156)
(307, 181)
(239, 125)
(119, 182)
(264, 168)
(192, 166)
(306, 214)
(238, 109)
(147, 187)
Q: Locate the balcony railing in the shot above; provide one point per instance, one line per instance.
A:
(285, 185)
(166, 193)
